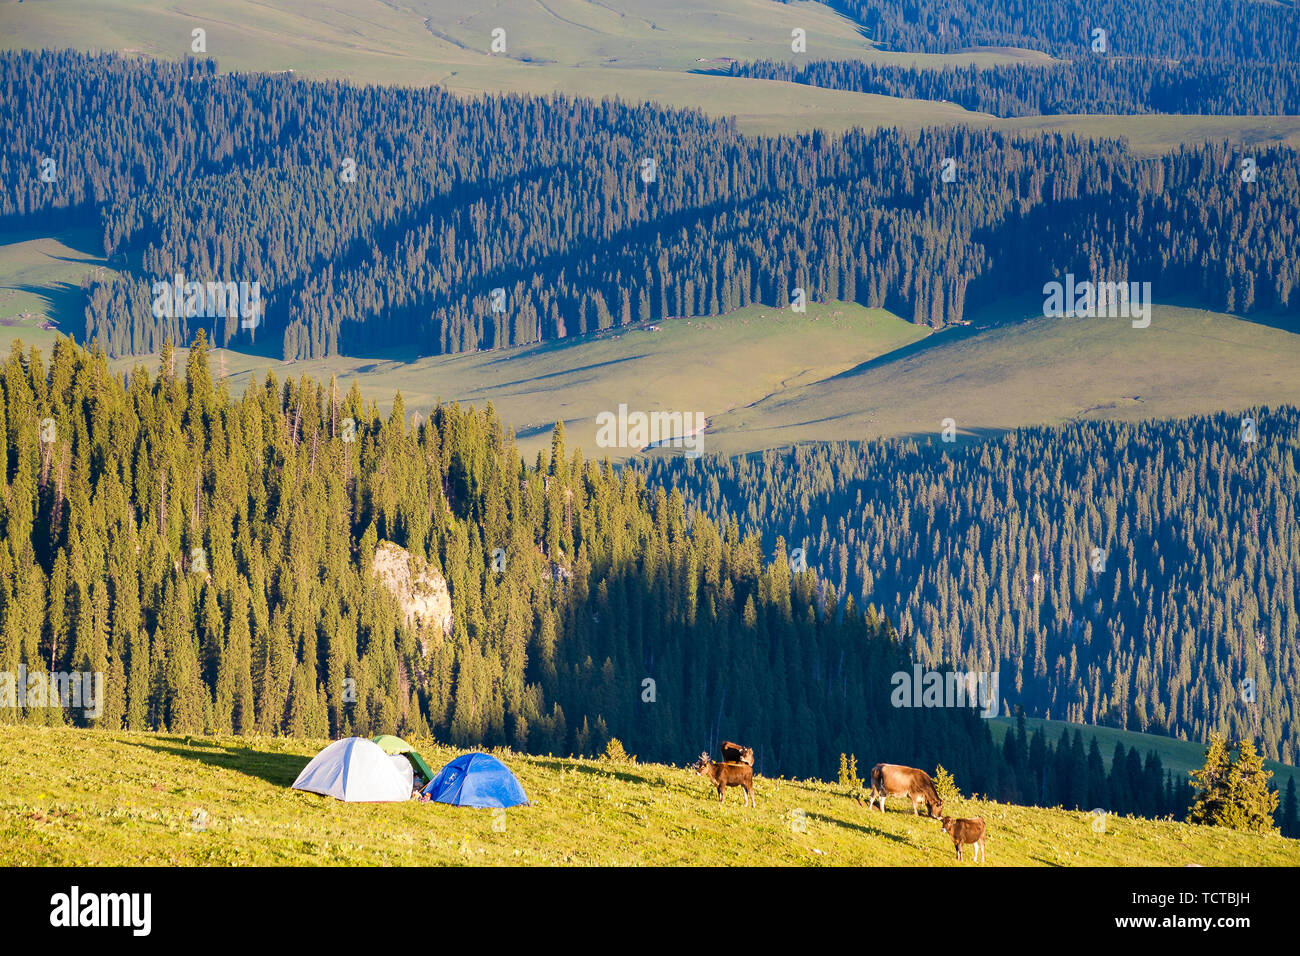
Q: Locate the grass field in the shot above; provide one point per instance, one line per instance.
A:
(40, 285)
(1039, 371)
(71, 797)
(1180, 756)
(767, 378)
(691, 365)
(671, 52)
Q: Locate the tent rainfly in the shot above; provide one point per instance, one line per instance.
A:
(395, 746)
(357, 770)
(476, 780)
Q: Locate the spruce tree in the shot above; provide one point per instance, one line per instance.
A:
(1233, 793)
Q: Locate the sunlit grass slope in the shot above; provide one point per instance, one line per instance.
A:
(1043, 371)
(70, 797)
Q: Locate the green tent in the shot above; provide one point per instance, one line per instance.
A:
(396, 745)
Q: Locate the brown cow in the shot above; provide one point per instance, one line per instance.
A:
(724, 775)
(965, 831)
(735, 753)
(891, 780)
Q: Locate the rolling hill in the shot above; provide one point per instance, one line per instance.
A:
(674, 54)
(40, 285)
(73, 797)
(706, 365)
(768, 378)
(1039, 371)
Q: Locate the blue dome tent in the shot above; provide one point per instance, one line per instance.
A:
(476, 780)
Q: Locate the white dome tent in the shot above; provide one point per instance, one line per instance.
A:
(357, 770)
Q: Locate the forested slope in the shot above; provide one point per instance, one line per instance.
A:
(212, 558)
(1124, 574)
(1116, 56)
(245, 178)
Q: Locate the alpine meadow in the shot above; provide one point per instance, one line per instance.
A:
(654, 434)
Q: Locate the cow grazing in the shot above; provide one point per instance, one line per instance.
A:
(891, 780)
(735, 753)
(965, 832)
(726, 775)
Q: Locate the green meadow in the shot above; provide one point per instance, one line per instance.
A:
(1040, 371)
(40, 285)
(86, 798)
(709, 365)
(673, 52)
(765, 378)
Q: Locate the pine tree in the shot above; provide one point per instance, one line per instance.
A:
(1233, 793)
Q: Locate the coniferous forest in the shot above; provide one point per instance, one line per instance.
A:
(213, 552)
(1037, 771)
(376, 218)
(1075, 86)
(1124, 574)
(1111, 56)
(211, 555)
(1173, 29)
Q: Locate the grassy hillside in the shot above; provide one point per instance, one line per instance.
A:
(1041, 371)
(40, 285)
(767, 378)
(706, 365)
(1180, 756)
(672, 52)
(72, 797)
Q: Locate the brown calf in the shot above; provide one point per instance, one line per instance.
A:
(726, 775)
(965, 831)
(735, 753)
(891, 780)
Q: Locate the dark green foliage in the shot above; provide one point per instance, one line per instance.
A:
(1174, 29)
(983, 553)
(212, 557)
(1095, 85)
(1233, 793)
(239, 178)
(1290, 822)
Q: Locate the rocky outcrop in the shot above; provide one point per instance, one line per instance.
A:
(420, 590)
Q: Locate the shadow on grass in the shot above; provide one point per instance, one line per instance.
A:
(278, 769)
(859, 827)
(623, 775)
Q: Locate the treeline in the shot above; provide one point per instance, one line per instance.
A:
(1187, 56)
(1098, 85)
(1172, 29)
(1135, 575)
(211, 556)
(1070, 776)
(245, 178)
